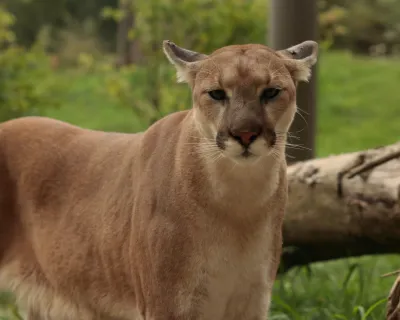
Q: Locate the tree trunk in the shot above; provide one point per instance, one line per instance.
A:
(128, 50)
(122, 34)
(393, 304)
(291, 22)
(134, 52)
(336, 212)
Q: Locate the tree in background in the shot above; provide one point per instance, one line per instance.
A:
(127, 49)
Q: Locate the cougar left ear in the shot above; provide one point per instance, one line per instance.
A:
(184, 60)
(300, 58)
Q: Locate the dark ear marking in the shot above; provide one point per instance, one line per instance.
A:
(300, 58)
(306, 51)
(183, 59)
(178, 54)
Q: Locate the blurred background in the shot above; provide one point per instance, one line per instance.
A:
(99, 64)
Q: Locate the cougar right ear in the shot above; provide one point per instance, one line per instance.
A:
(184, 60)
(300, 58)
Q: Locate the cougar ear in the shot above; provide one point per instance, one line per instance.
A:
(300, 59)
(185, 61)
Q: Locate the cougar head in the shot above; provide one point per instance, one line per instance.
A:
(244, 96)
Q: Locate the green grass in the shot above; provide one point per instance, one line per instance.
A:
(358, 103)
(335, 290)
(358, 108)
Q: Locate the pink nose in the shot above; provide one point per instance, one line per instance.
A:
(245, 138)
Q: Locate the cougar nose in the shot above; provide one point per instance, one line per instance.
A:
(245, 138)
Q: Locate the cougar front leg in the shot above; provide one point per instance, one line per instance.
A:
(260, 292)
(256, 306)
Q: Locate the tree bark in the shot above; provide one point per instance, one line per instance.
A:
(122, 34)
(291, 22)
(128, 50)
(393, 304)
(343, 205)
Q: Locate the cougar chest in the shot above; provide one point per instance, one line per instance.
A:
(232, 270)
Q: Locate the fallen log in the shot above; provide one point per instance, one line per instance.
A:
(343, 206)
(393, 304)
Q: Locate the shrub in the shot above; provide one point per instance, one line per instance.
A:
(363, 26)
(25, 87)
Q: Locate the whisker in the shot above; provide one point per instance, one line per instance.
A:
(298, 131)
(216, 158)
(301, 110)
(281, 143)
(211, 144)
(201, 138)
(301, 116)
(294, 137)
(275, 154)
(291, 144)
(297, 147)
(210, 151)
(235, 163)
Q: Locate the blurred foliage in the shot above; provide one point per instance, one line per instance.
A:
(56, 15)
(363, 26)
(23, 87)
(8, 309)
(78, 39)
(6, 22)
(168, 19)
(23, 74)
(131, 86)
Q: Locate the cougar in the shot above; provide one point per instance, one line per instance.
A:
(179, 222)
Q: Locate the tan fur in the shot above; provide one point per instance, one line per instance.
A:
(159, 225)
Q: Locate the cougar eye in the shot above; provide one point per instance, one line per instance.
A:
(269, 94)
(217, 94)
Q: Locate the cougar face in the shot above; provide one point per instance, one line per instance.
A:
(244, 96)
